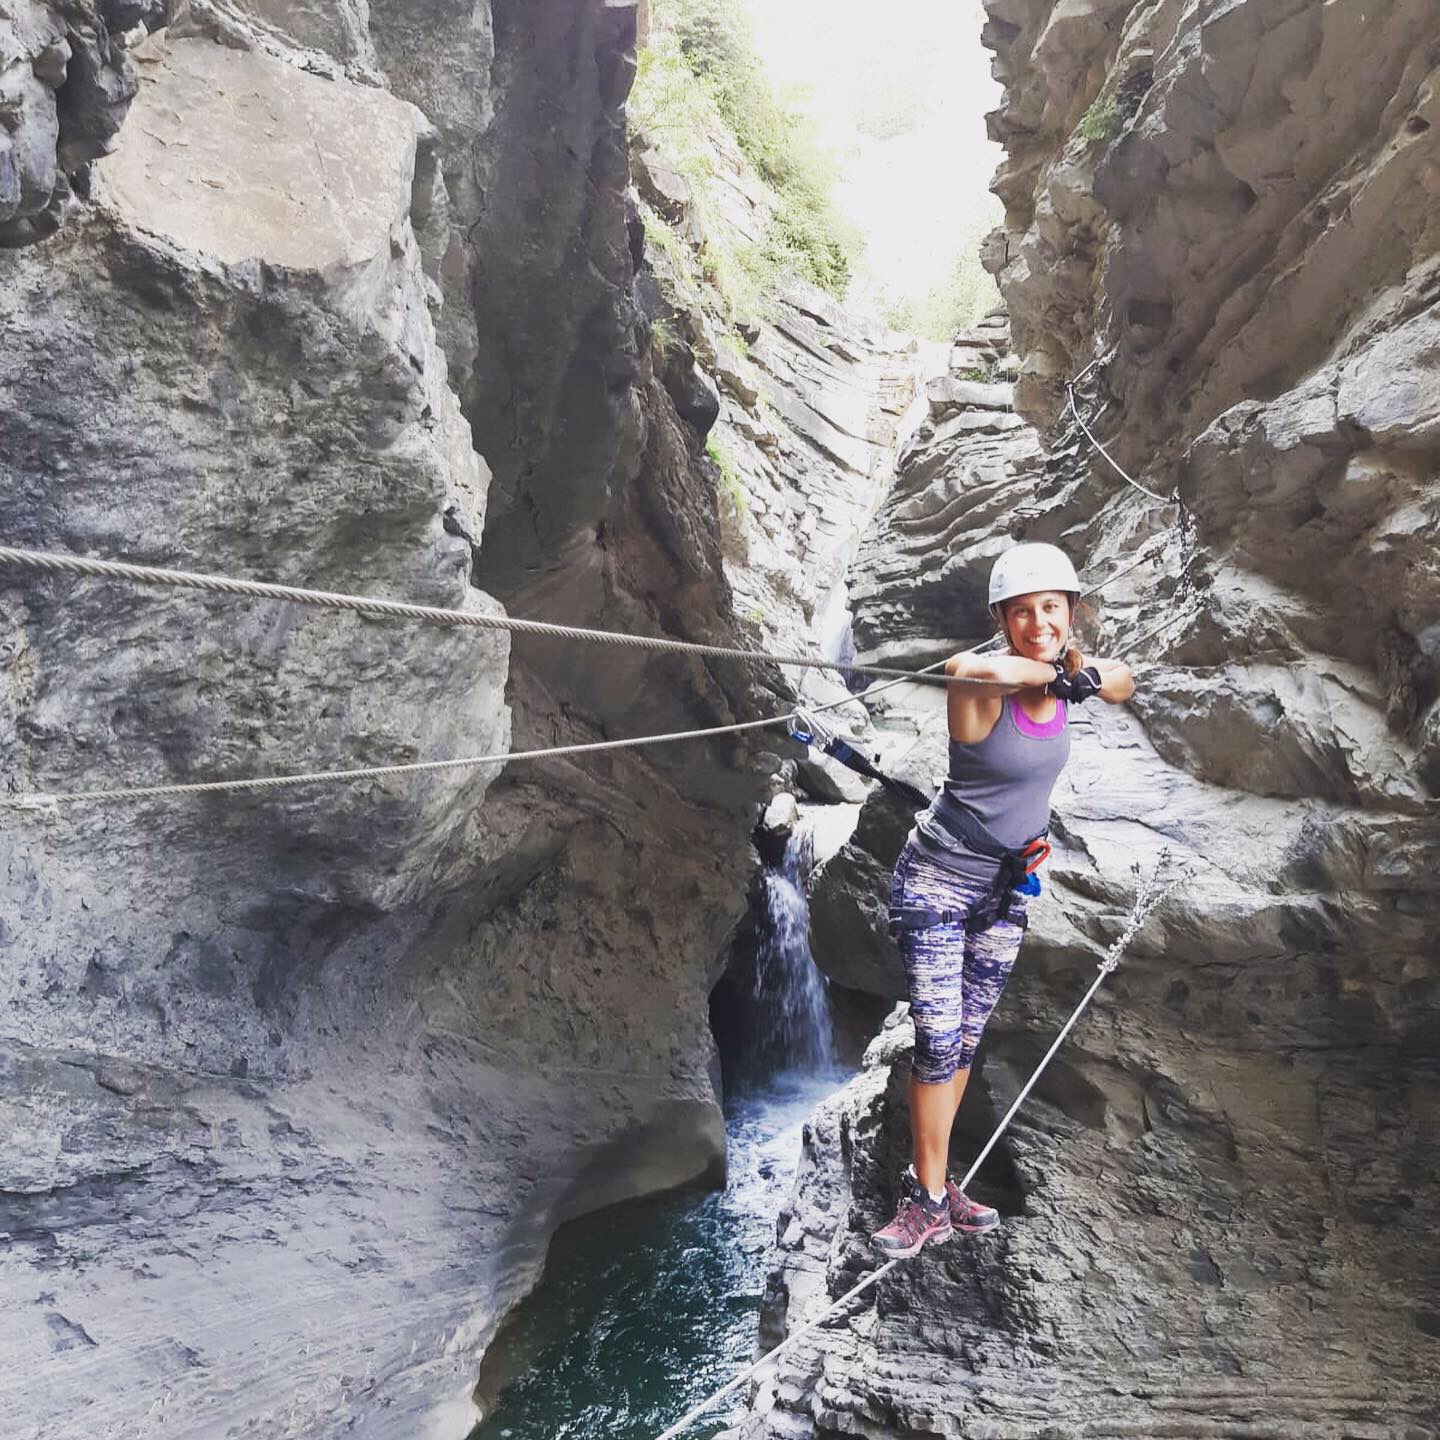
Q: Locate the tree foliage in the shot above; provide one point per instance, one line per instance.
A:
(808, 238)
(962, 298)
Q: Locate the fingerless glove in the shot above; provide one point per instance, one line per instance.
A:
(1077, 688)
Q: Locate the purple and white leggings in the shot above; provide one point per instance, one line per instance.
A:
(955, 977)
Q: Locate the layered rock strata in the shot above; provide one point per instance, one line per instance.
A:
(803, 407)
(1154, 1188)
(966, 474)
(1222, 1201)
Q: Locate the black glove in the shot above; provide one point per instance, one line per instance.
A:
(1077, 688)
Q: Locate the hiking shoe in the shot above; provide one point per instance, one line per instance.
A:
(967, 1214)
(918, 1221)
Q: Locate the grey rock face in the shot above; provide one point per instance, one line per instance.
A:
(1220, 1204)
(192, 990)
(918, 583)
(1171, 1318)
(353, 1051)
(1207, 1103)
(65, 84)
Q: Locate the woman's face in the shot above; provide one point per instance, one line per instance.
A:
(1038, 624)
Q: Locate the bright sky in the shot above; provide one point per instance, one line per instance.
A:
(919, 196)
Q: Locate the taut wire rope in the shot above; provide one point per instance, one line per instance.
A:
(44, 799)
(1115, 465)
(56, 562)
(1150, 893)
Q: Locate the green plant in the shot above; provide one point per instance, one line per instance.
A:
(663, 238)
(664, 337)
(737, 341)
(1101, 122)
(711, 41)
(959, 300)
(731, 485)
(973, 372)
(741, 273)
(756, 614)
(667, 105)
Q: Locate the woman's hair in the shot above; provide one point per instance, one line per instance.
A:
(1080, 610)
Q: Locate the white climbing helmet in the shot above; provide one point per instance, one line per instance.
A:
(1028, 568)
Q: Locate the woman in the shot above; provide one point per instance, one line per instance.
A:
(957, 909)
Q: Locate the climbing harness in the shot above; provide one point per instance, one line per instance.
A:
(1018, 866)
(1151, 893)
(1016, 873)
(997, 906)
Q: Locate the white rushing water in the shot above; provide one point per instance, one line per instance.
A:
(792, 1025)
(646, 1308)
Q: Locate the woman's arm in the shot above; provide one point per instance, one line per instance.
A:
(974, 709)
(1008, 672)
(1117, 683)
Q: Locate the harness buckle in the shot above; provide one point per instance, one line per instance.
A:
(921, 917)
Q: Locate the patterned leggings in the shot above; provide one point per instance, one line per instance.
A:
(955, 978)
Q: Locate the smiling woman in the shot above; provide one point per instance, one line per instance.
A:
(958, 895)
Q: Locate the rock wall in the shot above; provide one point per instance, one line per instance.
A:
(344, 1052)
(963, 478)
(1221, 1204)
(65, 85)
(803, 407)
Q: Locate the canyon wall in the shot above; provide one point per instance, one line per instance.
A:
(1220, 1206)
(296, 1087)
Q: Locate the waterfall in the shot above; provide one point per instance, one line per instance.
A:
(789, 1029)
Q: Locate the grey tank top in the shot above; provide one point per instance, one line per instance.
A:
(1005, 780)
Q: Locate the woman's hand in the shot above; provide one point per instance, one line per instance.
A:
(1075, 686)
(1117, 684)
(1111, 680)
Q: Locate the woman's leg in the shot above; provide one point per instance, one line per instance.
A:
(932, 1116)
(934, 968)
(935, 976)
(989, 959)
(934, 957)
